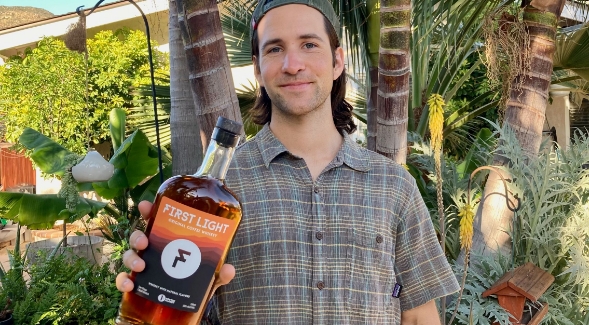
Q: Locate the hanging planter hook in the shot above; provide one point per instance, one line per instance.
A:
(80, 12)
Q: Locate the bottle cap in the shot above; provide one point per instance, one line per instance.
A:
(226, 132)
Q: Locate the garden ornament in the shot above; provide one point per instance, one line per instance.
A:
(93, 168)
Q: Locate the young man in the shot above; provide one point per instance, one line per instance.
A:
(330, 231)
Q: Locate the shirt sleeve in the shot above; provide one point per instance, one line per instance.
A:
(421, 267)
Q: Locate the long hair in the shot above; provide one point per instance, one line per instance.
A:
(261, 112)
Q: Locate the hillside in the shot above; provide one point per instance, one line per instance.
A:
(15, 15)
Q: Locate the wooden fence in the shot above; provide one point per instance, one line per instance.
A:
(16, 172)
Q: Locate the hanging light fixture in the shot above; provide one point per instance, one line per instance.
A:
(93, 168)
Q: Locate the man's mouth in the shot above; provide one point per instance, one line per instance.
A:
(295, 85)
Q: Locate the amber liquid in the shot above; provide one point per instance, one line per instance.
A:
(203, 193)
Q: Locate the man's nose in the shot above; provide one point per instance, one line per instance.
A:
(293, 63)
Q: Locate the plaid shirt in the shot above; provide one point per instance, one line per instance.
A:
(329, 251)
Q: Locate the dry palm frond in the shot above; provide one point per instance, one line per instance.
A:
(506, 52)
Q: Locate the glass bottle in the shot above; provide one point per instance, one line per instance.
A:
(191, 226)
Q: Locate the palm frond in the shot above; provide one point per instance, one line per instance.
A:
(246, 95)
(446, 33)
(572, 50)
(141, 116)
(236, 17)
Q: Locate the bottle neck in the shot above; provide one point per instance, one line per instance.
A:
(216, 161)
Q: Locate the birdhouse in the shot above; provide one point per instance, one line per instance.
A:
(525, 282)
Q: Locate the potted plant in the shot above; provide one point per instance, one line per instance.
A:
(6, 313)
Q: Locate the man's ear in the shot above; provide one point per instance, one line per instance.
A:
(338, 67)
(257, 73)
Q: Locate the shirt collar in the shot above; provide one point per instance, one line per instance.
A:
(351, 153)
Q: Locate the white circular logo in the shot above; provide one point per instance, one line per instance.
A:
(181, 258)
(161, 297)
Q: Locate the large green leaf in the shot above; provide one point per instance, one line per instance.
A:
(572, 50)
(117, 126)
(147, 190)
(47, 154)
(484, 142)
(40, 211)
(10, 203)
(134, 161)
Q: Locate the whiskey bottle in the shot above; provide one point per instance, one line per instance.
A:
(191, 226)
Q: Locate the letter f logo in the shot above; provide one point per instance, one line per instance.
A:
(178, 251)
(180, 257)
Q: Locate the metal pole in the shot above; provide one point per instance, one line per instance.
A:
(151, 72)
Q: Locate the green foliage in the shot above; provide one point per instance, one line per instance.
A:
(45, 90)
(141, 114)
(455, 174)
(135, 160)
(61, 290)
(47, 154)
(550, 228)
(473, 308)
(117, 118)
(53, 89)
(118, 61)
(40, 211)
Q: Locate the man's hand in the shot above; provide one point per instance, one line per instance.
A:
(138, 241)
(426, 314)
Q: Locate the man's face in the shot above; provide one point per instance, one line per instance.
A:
(295, 60)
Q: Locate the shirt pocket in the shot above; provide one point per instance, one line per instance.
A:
(370, 277)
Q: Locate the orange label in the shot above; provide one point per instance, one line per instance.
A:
(185, 247)
(175, 220)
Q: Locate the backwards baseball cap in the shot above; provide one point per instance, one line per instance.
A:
(324, 7)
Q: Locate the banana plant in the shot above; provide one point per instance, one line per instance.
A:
(136, 177)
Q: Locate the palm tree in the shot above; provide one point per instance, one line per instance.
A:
(525, 115)
(393, 79)
(209, 71)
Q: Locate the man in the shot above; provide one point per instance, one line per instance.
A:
(330, 232)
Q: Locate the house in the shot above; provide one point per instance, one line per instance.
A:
(16, 171)
(113, 16)
(564, 114)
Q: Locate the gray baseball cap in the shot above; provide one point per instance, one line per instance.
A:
(324, 7)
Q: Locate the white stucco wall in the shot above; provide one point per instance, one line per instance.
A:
(16, 40)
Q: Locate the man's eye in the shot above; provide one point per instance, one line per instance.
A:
(274, 50)
(310, 45)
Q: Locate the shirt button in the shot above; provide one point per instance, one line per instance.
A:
(316, 189)
(320, 285)
(379, 239)
(319, 235)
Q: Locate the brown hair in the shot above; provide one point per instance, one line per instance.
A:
(261, 112)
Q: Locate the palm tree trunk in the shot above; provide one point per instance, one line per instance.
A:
(393, 79)
(525, 115)
(187, 152)
(373, 28)
(208, 65)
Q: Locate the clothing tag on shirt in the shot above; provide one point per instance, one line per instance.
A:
(397, 290)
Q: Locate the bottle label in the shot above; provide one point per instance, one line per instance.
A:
(185, 247)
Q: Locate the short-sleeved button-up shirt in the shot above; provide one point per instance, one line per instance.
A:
(328, 251)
